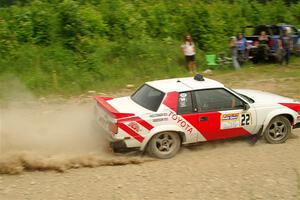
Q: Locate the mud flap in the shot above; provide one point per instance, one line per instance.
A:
(254, 138)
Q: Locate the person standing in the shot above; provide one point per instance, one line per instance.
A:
(189, 51)
(263, 45)
(242, 48)
(285, 44)
(234, 52)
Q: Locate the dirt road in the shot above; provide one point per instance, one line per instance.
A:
(218, 170)
(230, 169)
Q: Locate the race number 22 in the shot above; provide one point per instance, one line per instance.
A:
(245, 119)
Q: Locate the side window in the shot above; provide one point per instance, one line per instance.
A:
(216, 100)
(185, 103)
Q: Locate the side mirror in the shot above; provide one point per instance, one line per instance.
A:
(246, 106)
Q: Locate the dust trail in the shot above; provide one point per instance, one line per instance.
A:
(16, 163)
(50, 135)
(50, 128)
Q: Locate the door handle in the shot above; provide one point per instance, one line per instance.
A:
(205, 118)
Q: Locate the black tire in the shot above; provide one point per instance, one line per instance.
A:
(164, 145)
(278, 130)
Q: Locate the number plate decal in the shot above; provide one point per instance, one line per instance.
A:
(246, 119)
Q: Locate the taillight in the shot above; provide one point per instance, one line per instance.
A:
(113, 128)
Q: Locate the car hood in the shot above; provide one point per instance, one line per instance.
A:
(264, 97)
(126, 105)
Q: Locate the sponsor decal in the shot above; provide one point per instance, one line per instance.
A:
(235, 120)
(230, 120)
(134, 126)
(181, 122)
(183, 95)
(160, 119)
(159, 115)
(183, 100)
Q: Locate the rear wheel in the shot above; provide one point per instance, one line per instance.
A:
(164, 145)
(278, 130)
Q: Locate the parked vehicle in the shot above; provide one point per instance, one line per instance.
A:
(165, 114)
(256, 52)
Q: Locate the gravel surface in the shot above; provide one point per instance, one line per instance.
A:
(225, 170)
(230, 169)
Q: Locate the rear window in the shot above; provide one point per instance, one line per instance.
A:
(148, 97)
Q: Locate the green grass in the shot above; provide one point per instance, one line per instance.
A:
(53, 70)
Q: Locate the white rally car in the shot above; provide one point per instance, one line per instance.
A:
(165, 114)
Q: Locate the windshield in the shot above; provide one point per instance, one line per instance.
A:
(148, 97)
(248, 99)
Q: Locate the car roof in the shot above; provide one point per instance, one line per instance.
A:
(184, 84)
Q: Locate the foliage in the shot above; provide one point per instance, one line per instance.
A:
(98, 43)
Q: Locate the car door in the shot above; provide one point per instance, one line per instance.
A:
(222, 114)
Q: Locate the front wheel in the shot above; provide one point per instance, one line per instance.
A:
(164, 145)
(278, 130)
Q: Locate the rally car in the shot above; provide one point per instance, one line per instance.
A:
(163, 115)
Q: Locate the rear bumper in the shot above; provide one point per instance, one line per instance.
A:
(121, 147)
(118, 145)
(115, 144)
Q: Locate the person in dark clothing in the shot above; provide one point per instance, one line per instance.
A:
(263, 45)
(285, 44)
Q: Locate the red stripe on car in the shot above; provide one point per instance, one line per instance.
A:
(131, 132)
(138, 120)
(211, 129)
(171, 100)
(293, 106)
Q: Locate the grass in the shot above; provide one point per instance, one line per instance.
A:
(52, 71)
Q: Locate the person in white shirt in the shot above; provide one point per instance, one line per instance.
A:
(189, 50)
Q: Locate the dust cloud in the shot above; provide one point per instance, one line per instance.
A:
(16, 163)
(50, 135)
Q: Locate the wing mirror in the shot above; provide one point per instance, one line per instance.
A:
(246, 106)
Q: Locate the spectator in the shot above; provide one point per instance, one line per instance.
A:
(189, 50)
(285, 44)
(263, 39)
(242, 48)
(298, 46)
(234, 52)
(263, 44)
